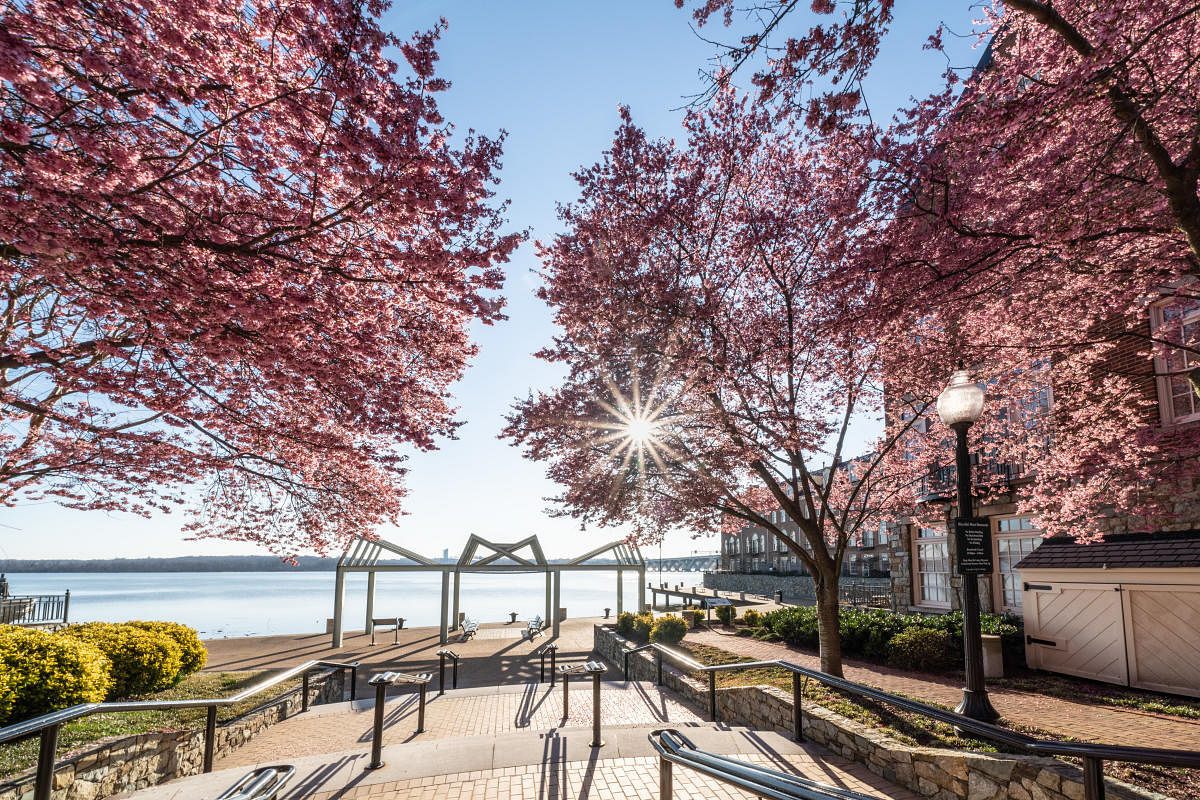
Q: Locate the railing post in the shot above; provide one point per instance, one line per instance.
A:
(1093, 778)
(45, 765)
(441, 672)
(627, 666)
(421, 710)
(454, 680)
(797, 708)
(553, 665)
(304, 692)
(566, 698)
(596, 740)
(66, 604)
(664, 779)
(658, 666)
(377, 731)
(712, 695)
(210, 737)
(354, 682)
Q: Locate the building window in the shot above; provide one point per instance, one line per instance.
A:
(1177, 399)
(1016, 537)
(933, 568)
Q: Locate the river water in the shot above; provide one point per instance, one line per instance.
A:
(227, 604)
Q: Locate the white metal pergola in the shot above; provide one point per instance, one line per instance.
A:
(480, 555)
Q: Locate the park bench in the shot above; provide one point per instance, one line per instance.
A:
(397, 624)
(534, 627)
(468, 626)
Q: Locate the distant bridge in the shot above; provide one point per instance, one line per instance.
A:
(692, 563)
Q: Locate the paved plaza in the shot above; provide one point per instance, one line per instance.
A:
(502, 734)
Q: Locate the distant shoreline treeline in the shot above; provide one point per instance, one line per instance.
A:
(183, 564)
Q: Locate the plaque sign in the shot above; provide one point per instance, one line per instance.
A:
(973, 540)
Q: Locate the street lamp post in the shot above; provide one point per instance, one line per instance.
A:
(959, 405)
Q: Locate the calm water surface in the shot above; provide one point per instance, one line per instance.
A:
(224, 604)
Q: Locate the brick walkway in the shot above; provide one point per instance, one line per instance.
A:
(465, 712)
(1080, 720)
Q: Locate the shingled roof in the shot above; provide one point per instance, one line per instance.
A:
(1120, 551)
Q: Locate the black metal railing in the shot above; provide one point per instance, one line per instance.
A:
(1092, 755)
(35, 609)
(939, 484)
(442, 655)
(47, 726)
(675, 748)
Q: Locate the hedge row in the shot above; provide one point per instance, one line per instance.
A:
(872, 634)
(42, 671)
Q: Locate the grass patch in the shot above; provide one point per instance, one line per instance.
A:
(82, 732)
(907, 727)
(1100, 694)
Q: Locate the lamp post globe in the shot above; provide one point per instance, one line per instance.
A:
(959, 405)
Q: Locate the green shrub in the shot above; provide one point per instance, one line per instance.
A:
(668, 630)
(625, 622)
(725, 614)
(922, 649)
(643, 625)
(796, 625)
(193, 655)
(142, 661)
(45, 672)
(752, 618)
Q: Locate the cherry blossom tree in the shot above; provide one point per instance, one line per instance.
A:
(710, 380)
(1042, 211)
(240, 250)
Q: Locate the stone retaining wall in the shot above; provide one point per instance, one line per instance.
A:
(931, 772)
(147, 759)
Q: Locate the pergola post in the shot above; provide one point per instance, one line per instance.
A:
(339, 601)
(445, 604)
(641, 590)
(369, 627)
(457, 584)
(557, 600)
(549, 578)
(620, 591)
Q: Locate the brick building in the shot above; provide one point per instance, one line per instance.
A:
(754, 549)
(921, 554)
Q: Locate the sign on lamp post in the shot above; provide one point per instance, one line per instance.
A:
(973, 545)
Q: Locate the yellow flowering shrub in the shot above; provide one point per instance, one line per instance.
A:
(45, 672)
(143, 661)
(194, 655)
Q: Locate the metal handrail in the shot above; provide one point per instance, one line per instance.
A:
(1093, 755)
(675, 748)
(48, 724)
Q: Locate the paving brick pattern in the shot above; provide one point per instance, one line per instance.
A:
(465, 713)
(1078, 719)
(615, 779)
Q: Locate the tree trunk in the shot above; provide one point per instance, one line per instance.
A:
(829, 630)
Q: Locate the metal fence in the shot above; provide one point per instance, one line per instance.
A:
(37, 609)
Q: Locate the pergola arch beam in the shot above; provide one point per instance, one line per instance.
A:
(363, 555)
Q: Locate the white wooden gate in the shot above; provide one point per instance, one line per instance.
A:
(1162, 631)
(1075, 628)
(1142, 635)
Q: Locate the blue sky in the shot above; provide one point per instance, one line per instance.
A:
(552, 74)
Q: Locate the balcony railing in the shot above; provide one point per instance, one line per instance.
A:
(37, 609)
(939, 486)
